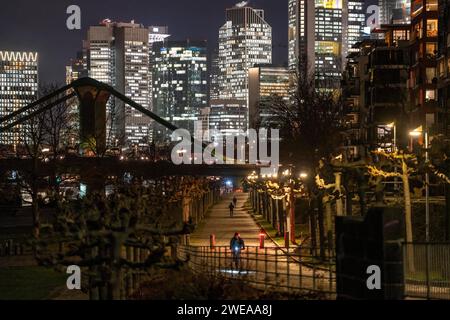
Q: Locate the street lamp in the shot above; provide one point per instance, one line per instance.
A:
(415, 134)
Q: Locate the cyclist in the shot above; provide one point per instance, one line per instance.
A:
(236, 246)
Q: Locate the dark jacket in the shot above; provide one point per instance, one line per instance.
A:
(237, 243)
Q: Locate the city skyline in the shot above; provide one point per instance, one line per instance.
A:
(47, 32)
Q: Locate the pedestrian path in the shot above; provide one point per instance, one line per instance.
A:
(219, 223)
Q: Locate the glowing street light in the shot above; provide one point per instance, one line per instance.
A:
(416, 132)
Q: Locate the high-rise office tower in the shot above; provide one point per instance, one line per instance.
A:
(301, 35)
(18, 87)
(245, 40)
(118, 54)
(229, 117)
(214, 74)
(354, 22)
(265, 84)
(180, 84)
(395, 11)
(76, 69)
(157, 34)
(318, 34)
(329, 44)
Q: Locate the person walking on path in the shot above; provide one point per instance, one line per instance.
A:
(234, 201)
(231, 207)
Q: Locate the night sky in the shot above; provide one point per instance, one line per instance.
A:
(41, 25)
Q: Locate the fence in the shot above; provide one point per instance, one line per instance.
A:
(268, 268)
(427, 270)
(12, 247)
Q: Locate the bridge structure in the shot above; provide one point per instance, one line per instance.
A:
(93, 96)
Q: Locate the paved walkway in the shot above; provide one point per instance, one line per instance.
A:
(220, 223)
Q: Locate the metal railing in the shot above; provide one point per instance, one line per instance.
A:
(427, 270)
(268, 268)
(12, 247)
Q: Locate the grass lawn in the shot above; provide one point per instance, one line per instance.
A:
(29, 283)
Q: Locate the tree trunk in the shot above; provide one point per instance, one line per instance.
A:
(312, 228)
(447, 212)
(339, 205)
(329, 223)
(361, 194)
(292, 216)
(320, 218)
(348, 197)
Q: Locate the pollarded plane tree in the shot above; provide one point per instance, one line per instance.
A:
(385, 168)
(115, 237)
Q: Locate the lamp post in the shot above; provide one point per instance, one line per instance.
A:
(289, 232)
(414, 134)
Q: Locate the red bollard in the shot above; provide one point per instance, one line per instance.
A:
(212, 241)
(262, 237)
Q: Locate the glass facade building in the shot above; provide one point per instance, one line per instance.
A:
(266, 83)
(18, 87)
(356, 21)
(319, 32)
(228, 116)
(76, 69)
(301, 35)
(245, 40)
(180, 84)
(118, 54)
(329, 43)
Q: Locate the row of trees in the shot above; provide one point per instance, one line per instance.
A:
(114, 237)
(312, 124)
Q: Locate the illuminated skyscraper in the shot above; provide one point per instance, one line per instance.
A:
(157, 34)
(265, 84)
(318, 36)
(245, 40)
(214, 74)
(118, 54)
(329, 43)
(301, 35)
(354, 22)
(227, 116)
(180, 84)
(18, 88)
(76, 69)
